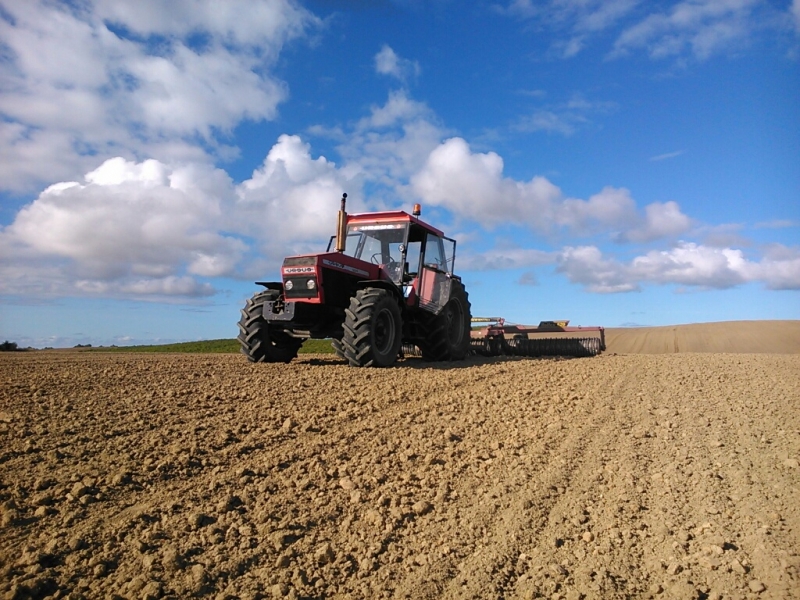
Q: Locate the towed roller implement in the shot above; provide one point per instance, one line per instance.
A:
(549, 338)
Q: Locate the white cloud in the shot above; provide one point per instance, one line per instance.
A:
(503, 259)
(694, 265)
(579, 18)
(261, 26)
(666, 156)
(610, 208)
(132, 83)
(148, 226)
(141, 228)
(777, 224)
(587, 265)
(155, 228)
(687, 264)
(393, 142)
(796, 13)
(399, 109)
(292, 198)
(779, 269)
(186, 287)
(472, 186)
(581, 15)
(564, 118)
(726, 235)
(528, 278)
(701, 27)
(662, 220)
(387, 62)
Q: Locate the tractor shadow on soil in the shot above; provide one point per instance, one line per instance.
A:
(414, 362)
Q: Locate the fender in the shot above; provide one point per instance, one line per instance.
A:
(383, 284)
(272, 285)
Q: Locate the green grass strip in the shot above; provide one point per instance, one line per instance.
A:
(214, 347)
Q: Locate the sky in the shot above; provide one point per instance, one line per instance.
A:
(610, 162)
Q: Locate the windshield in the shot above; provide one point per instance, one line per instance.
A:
(378, 243)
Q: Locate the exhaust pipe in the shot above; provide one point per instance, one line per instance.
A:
(341, 228)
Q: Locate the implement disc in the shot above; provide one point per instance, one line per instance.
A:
(498, 346)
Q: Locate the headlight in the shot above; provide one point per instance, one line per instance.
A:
(311, 284)
(289, 285)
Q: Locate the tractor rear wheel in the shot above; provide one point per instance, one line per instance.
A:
(259, 341)
(372, 329)
(447, 336)
(338, 349)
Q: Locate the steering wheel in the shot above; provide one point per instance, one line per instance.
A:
(377, 259)
(392, 266)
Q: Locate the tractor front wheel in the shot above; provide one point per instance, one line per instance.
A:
(259, 341)
(372, 329)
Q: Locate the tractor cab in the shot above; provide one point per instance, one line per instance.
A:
(413, 255)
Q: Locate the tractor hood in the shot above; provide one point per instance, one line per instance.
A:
(304, 276)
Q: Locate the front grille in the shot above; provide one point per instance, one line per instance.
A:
(299, 288)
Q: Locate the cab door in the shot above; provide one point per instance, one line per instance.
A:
(436, 273)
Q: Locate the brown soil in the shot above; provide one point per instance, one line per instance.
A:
(621, 476)
(749, 337)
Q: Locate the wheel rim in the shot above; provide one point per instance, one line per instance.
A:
(455, 323)
(384, 331)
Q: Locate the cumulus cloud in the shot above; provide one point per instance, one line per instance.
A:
(153, 227)
(387, 62)
(134, 82)
(292, 197)
(587, 265)
(472, 185)
(779, 269)
(693, 265)
(610, 208)
(688, 264)
(392, 142)
(662, 220)
(141, 228)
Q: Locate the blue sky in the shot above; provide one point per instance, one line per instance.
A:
(611, 162)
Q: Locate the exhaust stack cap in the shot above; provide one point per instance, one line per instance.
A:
(417, 210)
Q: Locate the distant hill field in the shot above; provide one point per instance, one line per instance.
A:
(736, 337)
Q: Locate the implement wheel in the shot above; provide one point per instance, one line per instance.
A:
(447, 337)
(372, 329)
(259, 341)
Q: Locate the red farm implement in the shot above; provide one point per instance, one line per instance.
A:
(549, 338)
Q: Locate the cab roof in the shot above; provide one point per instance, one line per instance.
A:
(392, 215)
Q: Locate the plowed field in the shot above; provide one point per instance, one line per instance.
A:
(621, 476)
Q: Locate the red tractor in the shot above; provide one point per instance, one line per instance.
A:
(386, 281)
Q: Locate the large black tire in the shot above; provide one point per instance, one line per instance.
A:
(338, 349)
(447, 335)
(259, 341)
(373, 329)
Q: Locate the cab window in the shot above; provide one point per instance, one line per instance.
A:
(434, 254)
